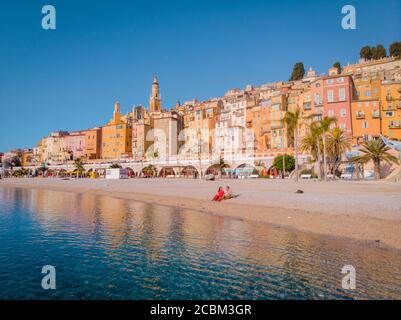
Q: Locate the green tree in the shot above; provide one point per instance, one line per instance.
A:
(323, 127)
(337, 145)
(14, 161)
(395, 49)
(292, 120)
(298, 71)
(221, 165)
(312, 143)
(379, 52)
(376, 151)
(366, 53)
(79, 167)
(337, 65)
(289, 162)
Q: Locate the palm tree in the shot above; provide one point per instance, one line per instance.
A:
(78, 164)
(337, 145)
(376, 151)
(292, 120)
(312, 143)
(221, 165)
(324, 126)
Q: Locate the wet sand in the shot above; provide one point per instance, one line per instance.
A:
(361, 210)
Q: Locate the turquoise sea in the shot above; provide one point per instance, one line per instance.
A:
(109, 248)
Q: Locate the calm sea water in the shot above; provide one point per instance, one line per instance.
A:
(110, 248)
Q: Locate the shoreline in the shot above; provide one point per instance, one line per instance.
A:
(319, 210)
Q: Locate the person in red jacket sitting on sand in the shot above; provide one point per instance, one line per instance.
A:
(219, 195)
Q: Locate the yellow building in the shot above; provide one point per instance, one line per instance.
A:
(117, 137)
(198, 128)
(27, 158)
(258, 119)
(391, 109)
(366, 115)
(277, 137)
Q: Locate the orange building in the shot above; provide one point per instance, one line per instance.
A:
(366, 115)
(391, 109)
(93, 143)
(117, 137)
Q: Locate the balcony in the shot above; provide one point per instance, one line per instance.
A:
(360, 115)
(394, 125)
(276, 126)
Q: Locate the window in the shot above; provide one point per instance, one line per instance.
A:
(331, 113)
(367, 104)
(365, 125)
(330, 96)
(341, 94)
(317, 98)
(367, 93)
(342, 126)
(375, 103)
(389, 114)
(339, 80)
(329, 81)
(343, 112)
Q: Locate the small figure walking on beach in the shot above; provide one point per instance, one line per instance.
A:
(219, 195)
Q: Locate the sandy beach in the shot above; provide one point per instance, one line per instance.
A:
(361, 210)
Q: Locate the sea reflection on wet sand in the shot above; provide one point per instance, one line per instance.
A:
(253, 260)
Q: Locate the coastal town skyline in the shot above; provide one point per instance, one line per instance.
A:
(200, 158)
(86, 63)
(363, 99)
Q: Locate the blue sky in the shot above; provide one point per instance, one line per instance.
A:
(103, 51)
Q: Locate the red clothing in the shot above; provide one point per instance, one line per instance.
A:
(219, 196)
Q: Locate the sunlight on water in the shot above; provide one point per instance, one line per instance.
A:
(105, 247)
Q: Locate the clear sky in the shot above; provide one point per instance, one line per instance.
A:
(103, 51)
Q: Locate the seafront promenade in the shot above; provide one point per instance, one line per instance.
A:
(368, 211)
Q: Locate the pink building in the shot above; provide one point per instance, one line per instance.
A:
(337, 97)
(74, 144)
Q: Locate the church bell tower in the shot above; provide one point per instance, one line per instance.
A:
(155, 100)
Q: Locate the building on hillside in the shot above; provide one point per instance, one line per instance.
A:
(141, 139)
(258, 120)
(54, 147)
(93, 143)
(376, 66)
(166, 127)
(74, 145)
(338, 93)
(39, 151)
(117, 137)
(365, 108)
(277, 135)
(27, 158)
(390, 97)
